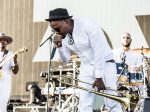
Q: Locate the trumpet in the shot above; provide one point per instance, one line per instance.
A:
(125, 101)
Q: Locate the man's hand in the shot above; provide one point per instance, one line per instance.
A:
(15, 58)
(99, 84)
(57, 40)
(15, 68)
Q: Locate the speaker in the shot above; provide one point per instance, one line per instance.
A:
(29, 109)
(146, 105)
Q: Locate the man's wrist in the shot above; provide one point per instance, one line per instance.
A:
(15, 64)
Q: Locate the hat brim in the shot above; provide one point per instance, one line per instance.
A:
(58, 18)
(9, 39)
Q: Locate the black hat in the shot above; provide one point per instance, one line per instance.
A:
(58, 14)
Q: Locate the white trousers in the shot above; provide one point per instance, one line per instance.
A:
(5, 88)
(110, 79)
(86, 99)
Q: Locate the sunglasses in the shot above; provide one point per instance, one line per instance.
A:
(57, 30)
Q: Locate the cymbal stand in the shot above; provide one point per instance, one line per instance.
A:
(60, 78)
(125, 68)
(74, 77)
(145, 73)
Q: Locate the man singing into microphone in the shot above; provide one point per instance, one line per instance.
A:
(85, 38)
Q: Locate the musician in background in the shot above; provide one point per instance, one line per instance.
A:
(127, 61)
(85, 37)
(5, 70)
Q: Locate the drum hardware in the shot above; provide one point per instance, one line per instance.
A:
(73, 71)
(60, 78)
(74, 77)
(52, 88)
(129, 78)
(145, 65)
(35, 93)
(124, 67)
(124, 70)
(145, 73)
(67, 104)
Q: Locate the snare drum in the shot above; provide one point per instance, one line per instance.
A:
(135, 77)
(120, 69)
(121, 73)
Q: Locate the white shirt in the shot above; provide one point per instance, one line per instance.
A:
(5, 81)
(6, 68)
(132, 59)
(90, 44)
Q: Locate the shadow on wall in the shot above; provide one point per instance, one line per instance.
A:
(108, 40)
(144, 23)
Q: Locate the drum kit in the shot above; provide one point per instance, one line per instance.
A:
(137, 78)
(136, 82)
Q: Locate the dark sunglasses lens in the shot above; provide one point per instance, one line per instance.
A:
(57, 29)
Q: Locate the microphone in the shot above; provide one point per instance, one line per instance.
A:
(53, 52)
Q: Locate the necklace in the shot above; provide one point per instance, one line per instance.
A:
(71, 40)
(3, 57)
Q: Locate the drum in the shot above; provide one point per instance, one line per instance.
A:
(121, 68)
(135, 77)
(128, 78)
(121, 73)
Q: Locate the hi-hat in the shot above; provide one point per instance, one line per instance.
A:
(141, 50)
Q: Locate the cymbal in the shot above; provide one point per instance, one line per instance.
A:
(75, 58)
(141, 50)
(56, 60)
(132, 83)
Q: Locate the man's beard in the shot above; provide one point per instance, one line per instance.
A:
(2, 46)
(127, 45)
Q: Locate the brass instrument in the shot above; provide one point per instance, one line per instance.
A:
(125, 101)
(88, 83)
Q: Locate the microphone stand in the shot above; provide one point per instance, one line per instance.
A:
(125, 66)
(49, 38)
(49, 66)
